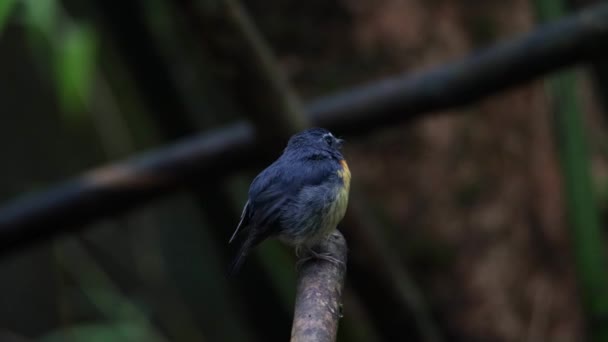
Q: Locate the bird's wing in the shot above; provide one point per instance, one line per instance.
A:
(244, 220)
(269, 193)
(279, 184)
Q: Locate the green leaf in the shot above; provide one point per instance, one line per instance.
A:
(74, 69)
(98, 332)
(5, 10)
(581, 205)
(41, 14)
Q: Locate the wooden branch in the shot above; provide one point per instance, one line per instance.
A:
(319, 294)
(122, 186)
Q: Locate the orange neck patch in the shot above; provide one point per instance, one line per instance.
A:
(345, 173)
(344, 165)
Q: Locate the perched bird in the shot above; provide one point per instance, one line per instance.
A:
(299, 199)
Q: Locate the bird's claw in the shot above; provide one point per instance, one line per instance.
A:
(312, 254)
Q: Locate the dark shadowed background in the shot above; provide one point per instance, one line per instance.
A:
(475, 224)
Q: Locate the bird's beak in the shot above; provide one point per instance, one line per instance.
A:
(339, 143)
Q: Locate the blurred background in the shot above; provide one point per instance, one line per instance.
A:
(461, 224)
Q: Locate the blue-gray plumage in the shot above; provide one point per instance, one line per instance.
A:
(300, 198)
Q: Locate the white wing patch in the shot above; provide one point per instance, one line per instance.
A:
(238, 227)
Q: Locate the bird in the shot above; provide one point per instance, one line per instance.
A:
(299, 199)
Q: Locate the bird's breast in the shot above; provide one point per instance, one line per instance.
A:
(338, 207)
(344, 174)
(318, 210)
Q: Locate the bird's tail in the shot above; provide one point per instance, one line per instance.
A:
(240, 256)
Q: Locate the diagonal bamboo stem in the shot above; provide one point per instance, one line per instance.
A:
(584, 221)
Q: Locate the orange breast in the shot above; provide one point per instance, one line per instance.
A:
(345, 174)
(344, 165)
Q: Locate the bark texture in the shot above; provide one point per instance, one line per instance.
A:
(319, 294)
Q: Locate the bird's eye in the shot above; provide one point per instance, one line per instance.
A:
(328, 139)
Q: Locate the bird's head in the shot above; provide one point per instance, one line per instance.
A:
(315, 138)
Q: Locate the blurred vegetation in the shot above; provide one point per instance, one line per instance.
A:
(445, 238)
(581, 204)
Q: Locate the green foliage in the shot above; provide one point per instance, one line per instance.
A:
(41, 15)
(128, 321)
(578, 183)
(580, 200)
(549, 9)
(72, 46)
(75, 68)
(5, 10)
(102, 332)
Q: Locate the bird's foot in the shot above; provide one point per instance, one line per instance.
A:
(310, 254)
